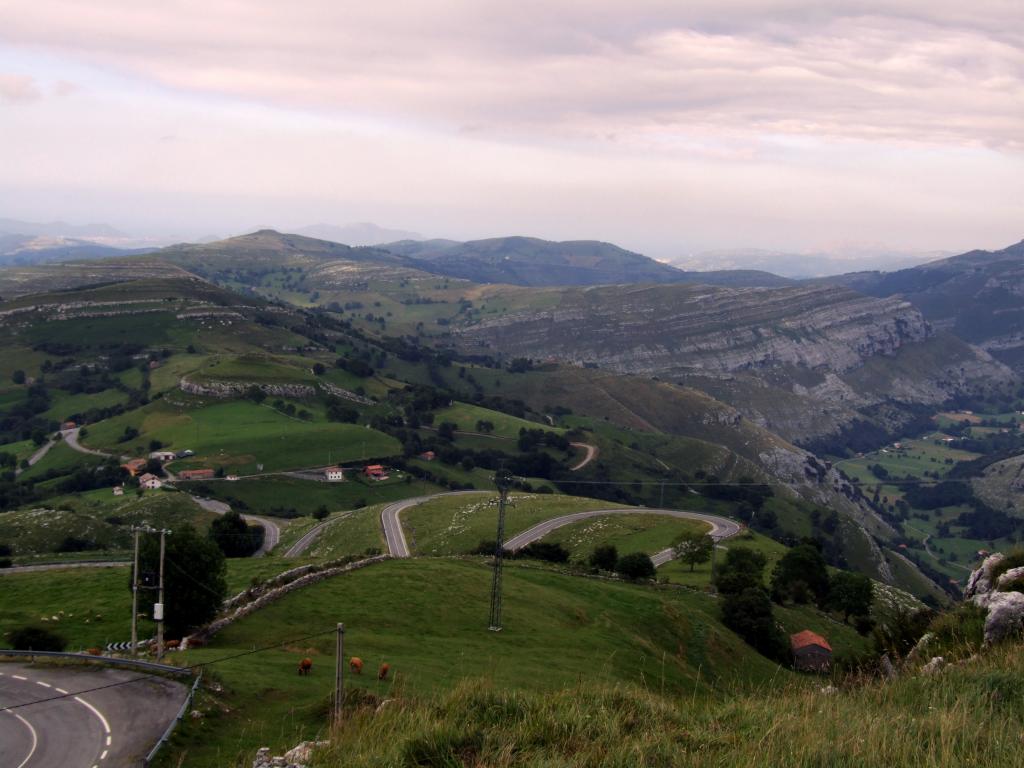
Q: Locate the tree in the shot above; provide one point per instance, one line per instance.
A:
(636, 565)
(743, 569)
(851, 593)
(748, 613)
(604, 557)
(319, 369)
(195, 579)
(694, 548)
(320, 512)
(553, 552)
(36, 639)
(18, 377)
(800, 574)
(255, 394)
(234, 536)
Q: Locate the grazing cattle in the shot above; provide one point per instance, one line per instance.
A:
(305, 666)
(356, 665)
(171, 645)
(382, 673)
(94, 651)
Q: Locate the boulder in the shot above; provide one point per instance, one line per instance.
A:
(933, 666)
(1005, 615)
(979, 584)
(1012, 575)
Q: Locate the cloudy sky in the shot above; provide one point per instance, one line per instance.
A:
(667, 127)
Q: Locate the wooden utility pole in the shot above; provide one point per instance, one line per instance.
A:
(135, 596)
(503, 480)
(339, 673)
(158, 609)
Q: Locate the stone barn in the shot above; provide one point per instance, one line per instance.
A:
(811, 652)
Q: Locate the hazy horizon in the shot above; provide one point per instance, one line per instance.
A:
(789, 126)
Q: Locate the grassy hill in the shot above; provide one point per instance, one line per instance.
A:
(427, 619)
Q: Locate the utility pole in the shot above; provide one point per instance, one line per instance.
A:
(135, 596)
(503, 480)
(158, 609)
(339, 673)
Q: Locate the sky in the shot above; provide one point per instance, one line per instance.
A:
(666, 127)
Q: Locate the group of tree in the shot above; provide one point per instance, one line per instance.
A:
(746, 606)
(634, 565)
(234, 537)
(801, 577)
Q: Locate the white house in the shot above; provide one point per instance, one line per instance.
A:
(334, 474)
(163, 455)
(150, 482)
(118, 490)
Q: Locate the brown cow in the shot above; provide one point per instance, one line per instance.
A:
(94, 651)
(171, 645)
(356, 665)
(305, 666)
(382, 673)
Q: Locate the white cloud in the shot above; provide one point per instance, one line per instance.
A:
(18, 88)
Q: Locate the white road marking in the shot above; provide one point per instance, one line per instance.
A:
(45, 685)
(19, 677)
(104, 755)
(91, 708)
(61, 690)
(108, 739)
(35, 739)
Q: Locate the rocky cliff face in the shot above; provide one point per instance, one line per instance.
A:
(665, 330)
(801, 360)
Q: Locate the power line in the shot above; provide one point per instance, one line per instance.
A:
(200, 665)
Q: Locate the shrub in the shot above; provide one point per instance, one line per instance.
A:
(36, 639)
(604, 557)
(552, 552)
(636, 565)
(749, 615)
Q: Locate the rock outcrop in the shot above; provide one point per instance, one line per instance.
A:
(1005, 616)
(232, 388)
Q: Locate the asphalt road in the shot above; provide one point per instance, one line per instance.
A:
(271, 533)
(110, 728)
(312, 535)
(389, 518)
(721, 527)
(71, 438)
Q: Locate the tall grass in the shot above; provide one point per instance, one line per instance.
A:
(967, 715)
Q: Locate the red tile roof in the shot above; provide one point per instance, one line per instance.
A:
(807, 638)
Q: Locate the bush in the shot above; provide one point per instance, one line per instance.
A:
(636, 566)
(550, 552)
(743, 569)
(749, 615)
(604, 557)
(5, 562)
(36, 639)
(320, 512)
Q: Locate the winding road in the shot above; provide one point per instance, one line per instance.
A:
(390, 517)
(592, 453)
(113, 727)
(271, 532)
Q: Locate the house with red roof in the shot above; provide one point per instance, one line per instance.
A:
(811, 652)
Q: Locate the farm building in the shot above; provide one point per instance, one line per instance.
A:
(150, 482)
(196, 474)
(68, 425)
(811, 652)
(134, 466)
(334, 474)
(375, 472)
(164, 456)
(428, 455)
(232, 478)
(119, 490)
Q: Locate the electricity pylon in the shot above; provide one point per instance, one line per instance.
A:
(503, 480)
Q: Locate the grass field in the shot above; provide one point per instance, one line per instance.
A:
(62, 459)
(264, 495)
(97, 517)
(465, 416)
(456, 524)
(629, 533)
(239, 436)
(428, 620)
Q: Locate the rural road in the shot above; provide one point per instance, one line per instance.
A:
(71, 438)
(389, 518)
(592, 453)
(721, 527)
(35, 457)
(69, 564)
(312, 535)
(110, 728)
(272, 534)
